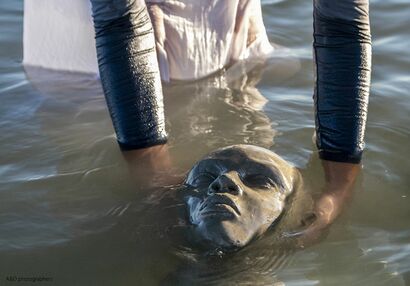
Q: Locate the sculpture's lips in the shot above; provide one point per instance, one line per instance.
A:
(219, 205)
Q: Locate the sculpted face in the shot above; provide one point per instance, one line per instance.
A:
(237, 193)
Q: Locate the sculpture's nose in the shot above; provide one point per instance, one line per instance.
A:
(225, 183)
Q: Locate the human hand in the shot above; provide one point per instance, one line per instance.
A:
(340, 178)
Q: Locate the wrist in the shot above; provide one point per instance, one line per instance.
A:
(340, 175)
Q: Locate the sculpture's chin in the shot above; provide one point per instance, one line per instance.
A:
(224, 234)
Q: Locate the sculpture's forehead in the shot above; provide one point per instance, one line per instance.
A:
(242, 154)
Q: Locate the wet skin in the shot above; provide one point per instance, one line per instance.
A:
(237, 193)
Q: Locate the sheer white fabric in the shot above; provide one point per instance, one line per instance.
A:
(196, 38)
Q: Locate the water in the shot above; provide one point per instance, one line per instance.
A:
(70, 211)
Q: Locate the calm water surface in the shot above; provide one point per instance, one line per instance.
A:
(69, 209)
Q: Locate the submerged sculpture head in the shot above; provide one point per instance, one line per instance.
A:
(238, 193)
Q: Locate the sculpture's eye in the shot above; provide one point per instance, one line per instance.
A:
(258, 181)
(203, 179)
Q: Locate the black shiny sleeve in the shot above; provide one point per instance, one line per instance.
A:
(342, 54)
(129, 72)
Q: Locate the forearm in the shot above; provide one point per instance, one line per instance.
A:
(129, 72)
(342, 51)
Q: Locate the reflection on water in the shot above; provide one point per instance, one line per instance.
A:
(69, 209)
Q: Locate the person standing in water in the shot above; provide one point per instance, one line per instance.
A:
(132, 35)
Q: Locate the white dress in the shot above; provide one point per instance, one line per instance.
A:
(194, 38)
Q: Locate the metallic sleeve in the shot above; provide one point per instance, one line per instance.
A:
(129, 72)
(342, 53)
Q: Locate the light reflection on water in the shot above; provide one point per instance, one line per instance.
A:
(69, 209)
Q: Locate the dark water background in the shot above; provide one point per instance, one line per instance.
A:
(69, 210)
